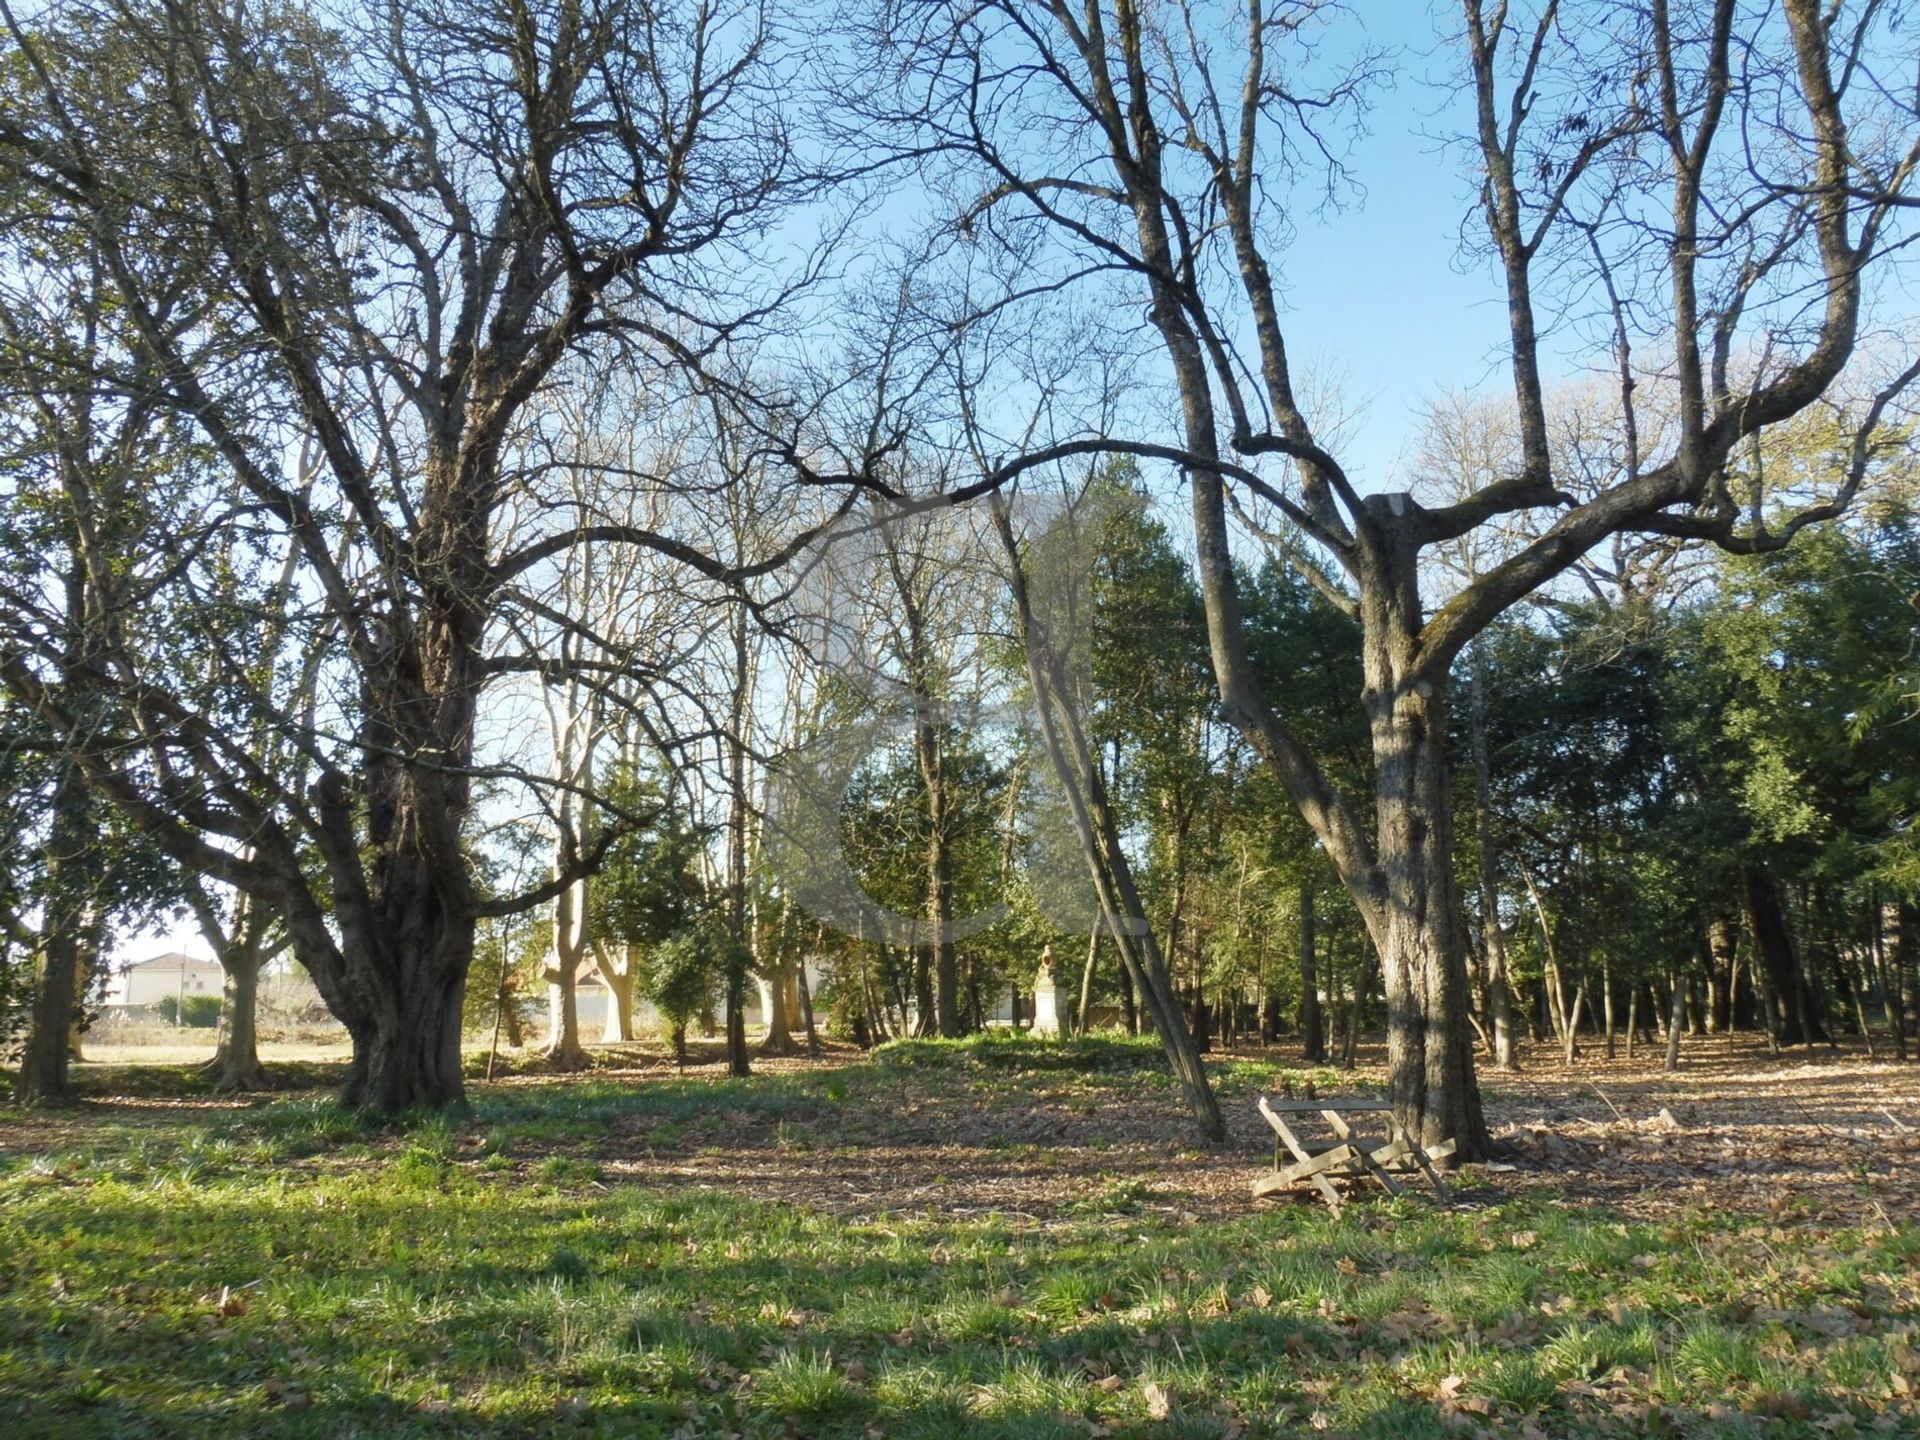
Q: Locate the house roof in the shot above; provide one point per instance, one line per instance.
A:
(174, 960)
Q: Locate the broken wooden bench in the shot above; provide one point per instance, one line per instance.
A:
(1349, 1156)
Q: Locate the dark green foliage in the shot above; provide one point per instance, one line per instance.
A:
(649, 884)
(198, 1012)
(682, 974)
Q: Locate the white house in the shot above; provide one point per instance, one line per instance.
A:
(147, 982)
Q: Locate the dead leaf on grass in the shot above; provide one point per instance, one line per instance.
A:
(1159, 1400)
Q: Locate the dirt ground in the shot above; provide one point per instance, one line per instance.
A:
(1821, 1134)
(1833, 1136)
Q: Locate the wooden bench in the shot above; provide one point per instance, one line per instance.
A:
(1350, 1156)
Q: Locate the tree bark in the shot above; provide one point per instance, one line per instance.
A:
(1905, 957)
(1083, 1012)
(1313, 1034)
(569, 949)
(1774, 946)
(805, 991)
(1723, 945)
(924, 1023)
(1122, 911)
(43, 1075)
(779, 1037)
(618, 976)
(1883, 956)
(408, 1056)
(241, 951)
(1676, 1021)
(236, 1059)
(1493, 938)
(739, 1064)
(1416, 924)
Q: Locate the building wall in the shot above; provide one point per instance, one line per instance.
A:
(150, 984)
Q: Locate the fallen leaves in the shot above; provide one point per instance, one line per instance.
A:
(1158, 1398)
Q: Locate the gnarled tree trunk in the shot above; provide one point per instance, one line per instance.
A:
(1417, 924)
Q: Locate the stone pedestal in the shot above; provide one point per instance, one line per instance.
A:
(1046, 1007)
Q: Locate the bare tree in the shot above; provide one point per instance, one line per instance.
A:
(388, 241)
(1731, 180)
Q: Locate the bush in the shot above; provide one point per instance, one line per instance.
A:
(201, 1012)
(680, 975)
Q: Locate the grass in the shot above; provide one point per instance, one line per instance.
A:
(287, 1270)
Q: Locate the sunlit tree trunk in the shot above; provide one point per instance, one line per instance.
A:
(1493, 937)
(1313, 1036)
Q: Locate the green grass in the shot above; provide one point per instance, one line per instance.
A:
(287, 1270)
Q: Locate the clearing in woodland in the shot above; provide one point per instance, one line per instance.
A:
(993, 1237)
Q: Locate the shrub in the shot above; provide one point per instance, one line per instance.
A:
(202, 1012)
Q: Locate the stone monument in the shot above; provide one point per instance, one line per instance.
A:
(1046, 1008)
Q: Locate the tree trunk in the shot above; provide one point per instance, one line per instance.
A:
(805, 992)
(1570, 1032)
(1201, 1018)
(1723, 944)
(1676, 1022)
(564, 1050)
(1097, 830)
(236, 1059)
(1313, 1035)
(86, 968)
(1606, 1003)
(1083, 1012)
(1363, 983)
(1417, 923)
(741, 953)
(398, 975)
(1905, 957)
(779, 1039)
(1880, 914)
(1858, 984)
(618, 977)
(924, 1024)
(1493, 939)
(408, 1058)
(1773, 944)
(43, 1077)
(241, 951)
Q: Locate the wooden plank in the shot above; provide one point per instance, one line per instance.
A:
(1423, 1158)
(1362, 1152)
(1393, 1153)
(1292, 1142)
(1352, 1158)
(1324, 1161)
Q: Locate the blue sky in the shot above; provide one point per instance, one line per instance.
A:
(1379, 293)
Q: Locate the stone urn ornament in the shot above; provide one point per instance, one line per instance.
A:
(1046, 1006)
